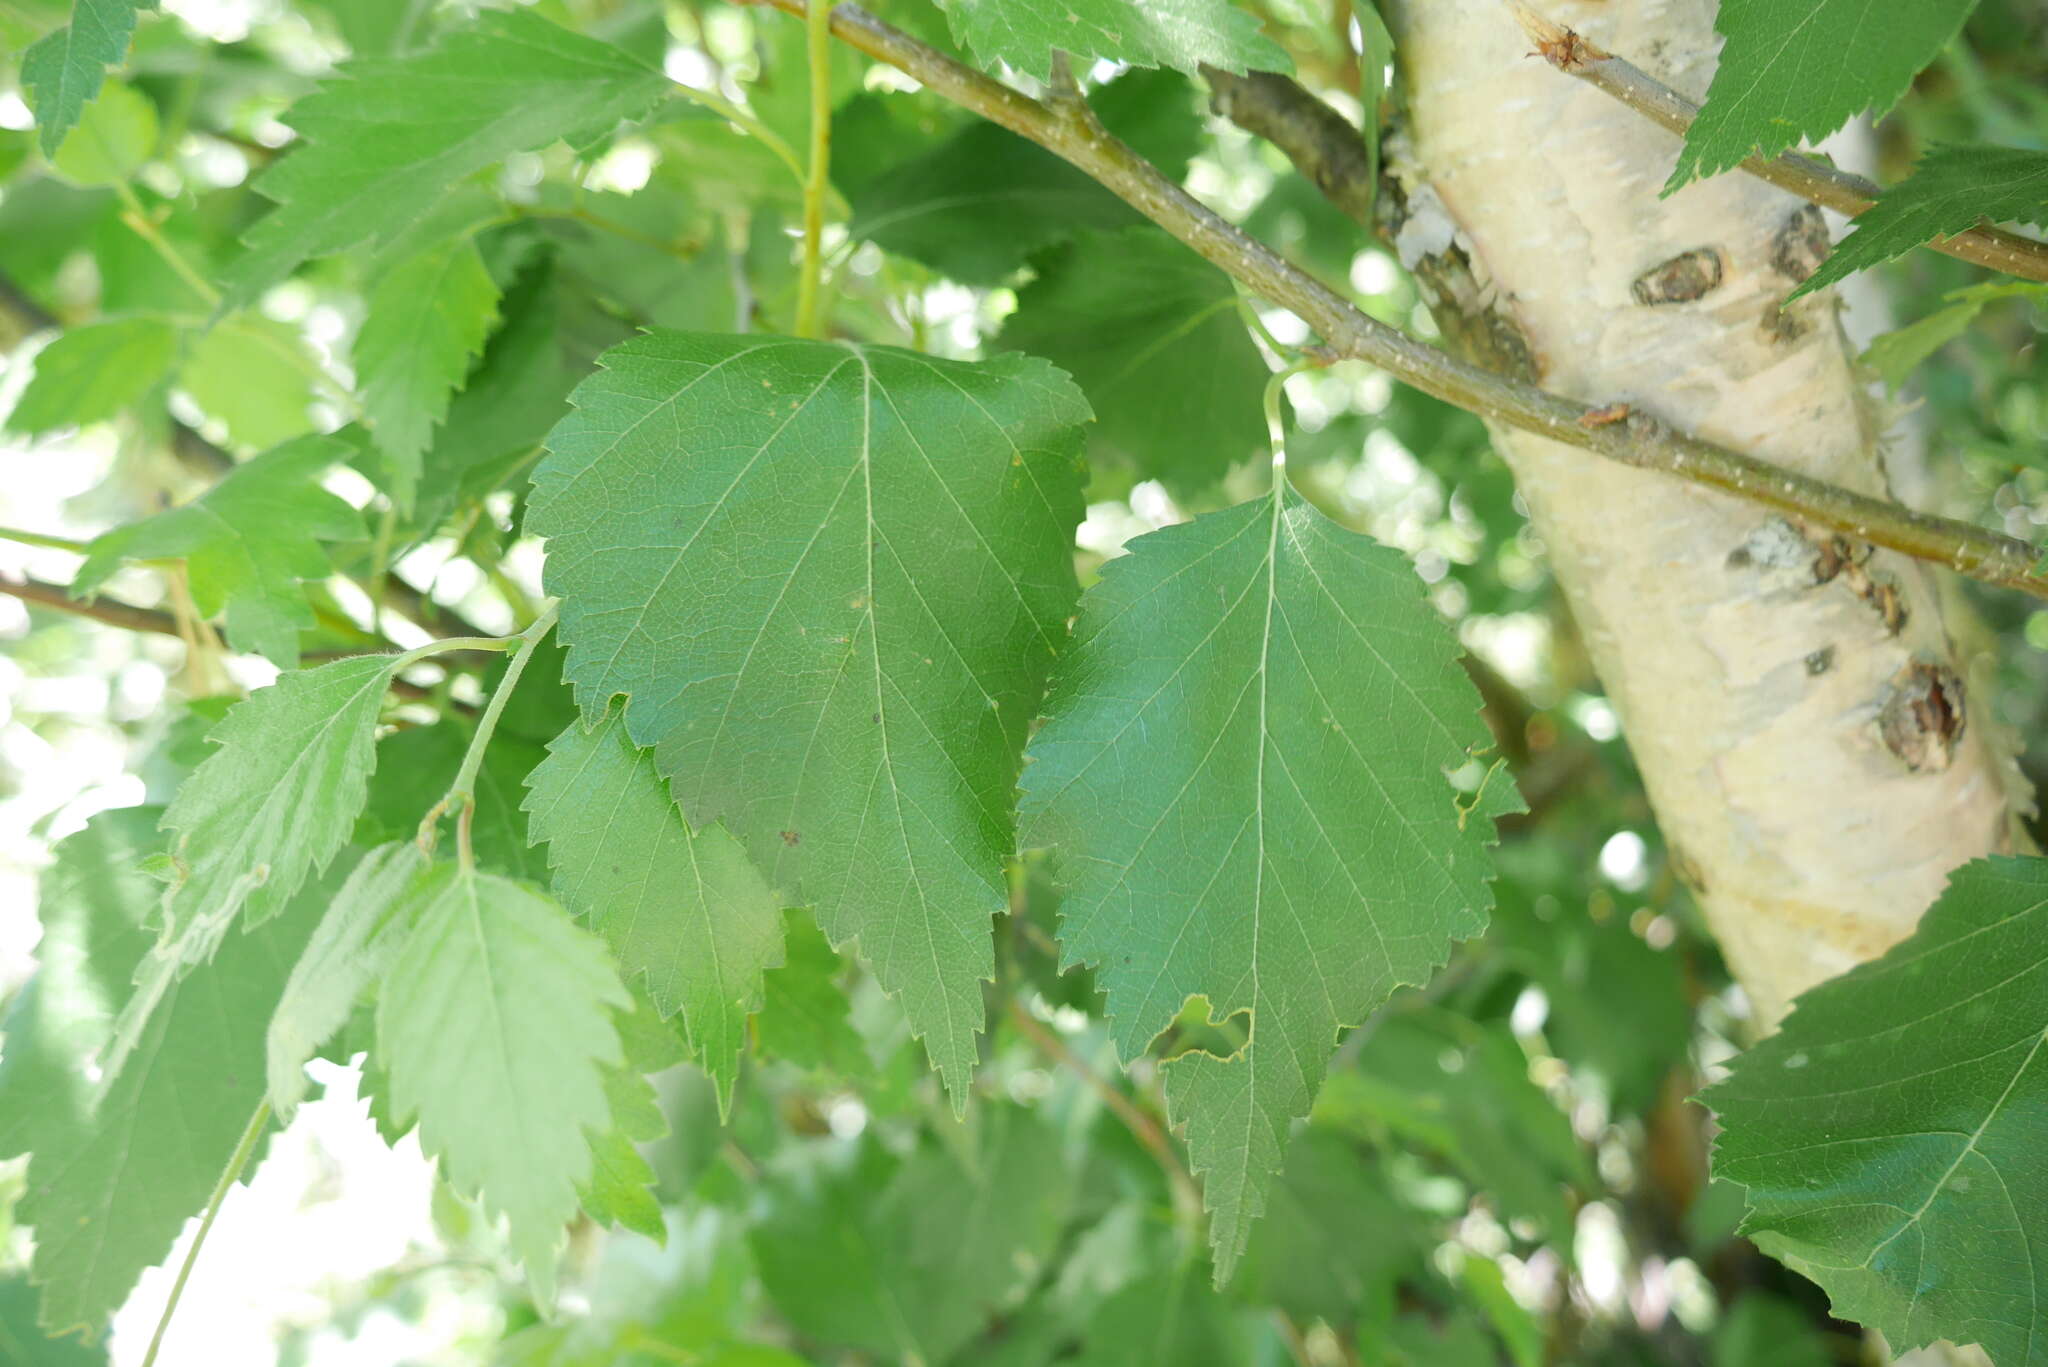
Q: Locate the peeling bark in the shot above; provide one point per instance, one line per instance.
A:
(1793, 700)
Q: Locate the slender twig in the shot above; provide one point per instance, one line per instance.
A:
(1808, 177)
(139, 221)
(461, 794)
(1639, 440)
(43, 539)
(1143, 1127)
(123, 615)
(818, 182)
(258, 1122)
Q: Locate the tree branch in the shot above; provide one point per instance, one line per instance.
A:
(1637, 440)
(1808, 177)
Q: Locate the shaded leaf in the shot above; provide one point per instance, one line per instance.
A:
(1176, 33)
(1150, 332)
(908, 1258)
(830, 579)
(358, 937)
(981, 201)
(105, 1191)
(1896, 354)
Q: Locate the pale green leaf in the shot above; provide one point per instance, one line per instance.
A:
(1244, 777)
(494, 1026)
(1151, 333)
(117, 1171)
(358, 937)
(427, 320)
(686, 913)
(246, 543)
(255, 375)
(1890, 1135)
(115, 136)
(94, 371)
(620, 1189)
(1176, 33)
(62, 71)
(1896, 354)
(1792, 72)
(830, 580)
(385, 139)
(1951, 189)
(267, 809)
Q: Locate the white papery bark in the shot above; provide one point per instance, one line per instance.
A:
(1815, 753)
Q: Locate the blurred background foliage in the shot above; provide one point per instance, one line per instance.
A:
(1503, 1167)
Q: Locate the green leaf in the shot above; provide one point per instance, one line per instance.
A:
(1890, 1135)
(686, 913)
(1243, 772)
(979, 203)
(830, 579)
(62, 71)
(428, 317)
(907, 1259)
(620, 1189)
(386, 140)
(1952, 188)
(93, 372)
(358, 937)
(805, 1017)
(1167, 1318)
(495, 1028)
(116, 1173)
(246, 543)
(113, 139)
(1177, 33)
(1898, 353)
(255, 375)
(1311, 1258)
(267, 809)
(1793, 72)
(417, 765)
(1150, 332)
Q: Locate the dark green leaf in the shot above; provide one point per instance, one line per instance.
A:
(687, 914)
(1952, 188)
(1793, 72)
(830, 579)
(63, 70)
(1151, 333)
(1244, 772)
(1890, 1134)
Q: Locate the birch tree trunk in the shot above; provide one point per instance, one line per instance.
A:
(1812, 744)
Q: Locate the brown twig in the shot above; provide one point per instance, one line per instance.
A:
(1143, 1127)
(1077, 137)
(1808, 177)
